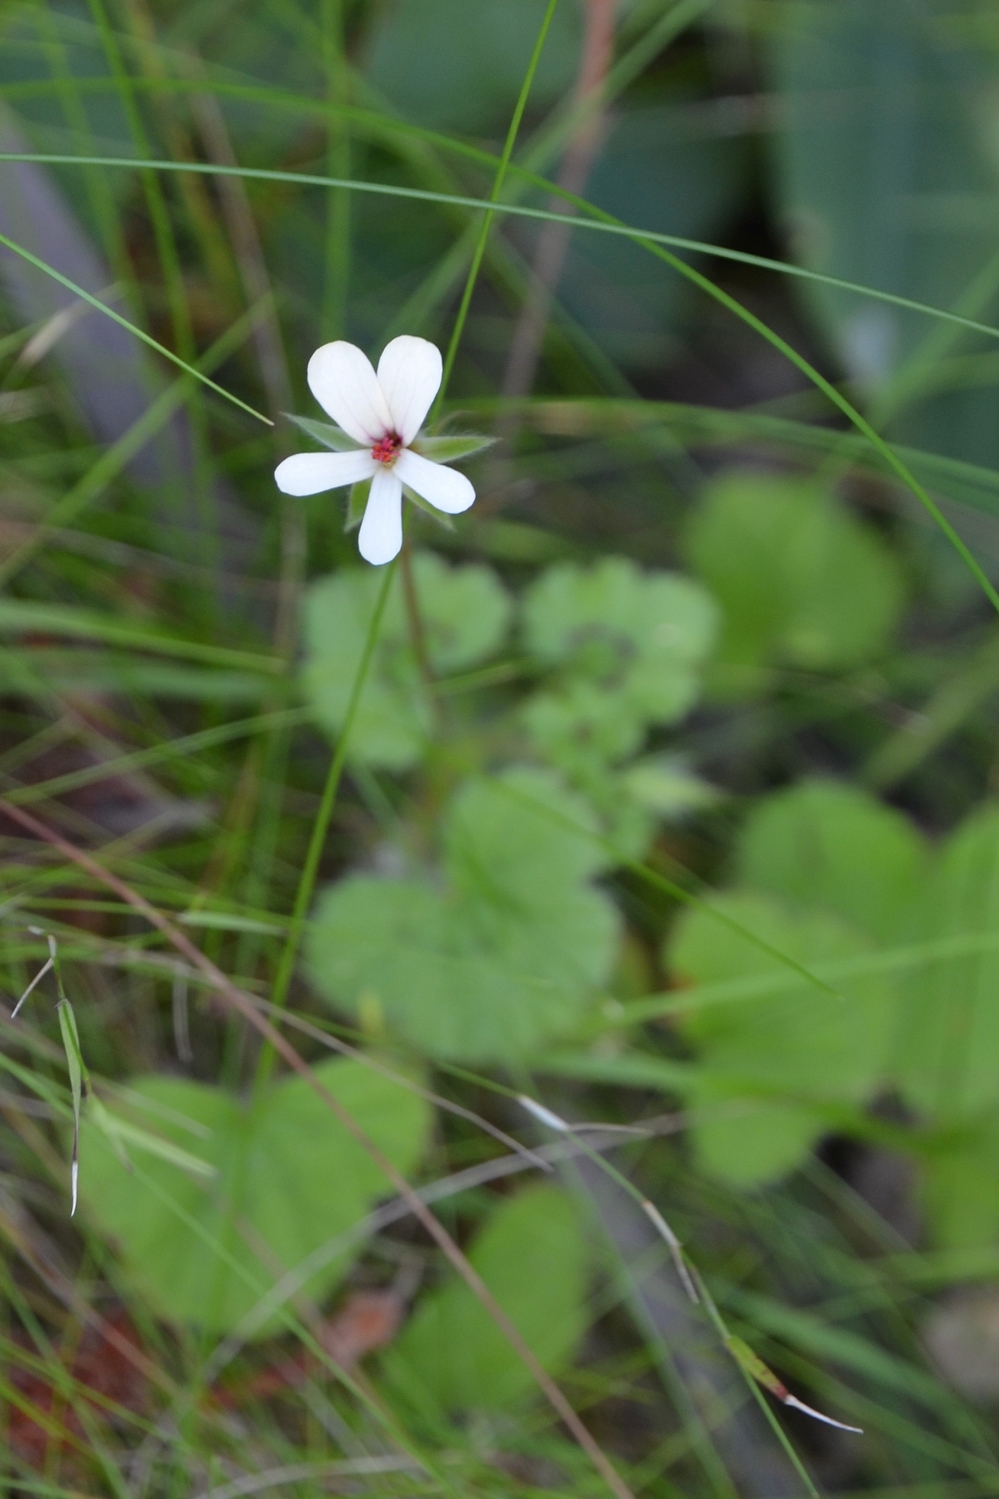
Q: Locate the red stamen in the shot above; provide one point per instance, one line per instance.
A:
(386, 449)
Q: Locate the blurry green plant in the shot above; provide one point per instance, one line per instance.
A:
(533, 1255)
(902, 941)
(514, 944)
(287, 1179)
(517, 833)
(802, 582)
(465, 614)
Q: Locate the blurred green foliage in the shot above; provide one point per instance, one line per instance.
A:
(533, 1255)
(671, 785)
(506, 954)
(285, 1166)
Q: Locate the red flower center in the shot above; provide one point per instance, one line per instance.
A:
(386, 449)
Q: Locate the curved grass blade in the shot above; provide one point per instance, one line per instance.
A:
(79, 1081)
(765, 1376)
(156, 754)
(487, 221)
(654, 242)
(690, 1278)
(117, 456)
(607, 225)
(116, 317)
(22, 615)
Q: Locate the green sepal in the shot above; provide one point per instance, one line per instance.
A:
(325, 433)
(422, 504)
(451, 449)
(357, 503)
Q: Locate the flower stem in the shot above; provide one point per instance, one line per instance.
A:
(417, 633)
(320, 828)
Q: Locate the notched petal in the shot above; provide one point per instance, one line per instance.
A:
(409, 373)
(345, 385)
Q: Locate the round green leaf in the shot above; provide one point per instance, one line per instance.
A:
(507, 954)
(949, 1046)
(833, 847)
(779, 1049)
(637, 638)
(289, 1179)
(464, 612)
(532, 1255)
(583, 728)
(516, 835)
(799, 579)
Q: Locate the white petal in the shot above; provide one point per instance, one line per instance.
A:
(380, 536)
(445, 488)
(346, 387)
(409, 373)
(311, 473)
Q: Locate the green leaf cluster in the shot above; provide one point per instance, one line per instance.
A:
(624, 651)
(851, 961)
(532, 1255)
(800, 580)
(612, 653)
(948, 1050)
(465, 613)
(499, 949)
(628, 646)
(825, 876)
(779, 1062)
(287, 1179)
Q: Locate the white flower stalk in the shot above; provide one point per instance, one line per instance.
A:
(383, 414)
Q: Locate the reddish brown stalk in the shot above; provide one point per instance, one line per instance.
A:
(553, 242)
(246, 1007)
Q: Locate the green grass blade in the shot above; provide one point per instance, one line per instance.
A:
(497, 187)
(515, 210)
(18, 616)
(158, 754)
(320, 827)
(111, 462)
(77, 1083)
(116, 317)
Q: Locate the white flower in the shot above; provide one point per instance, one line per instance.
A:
(383, 412)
